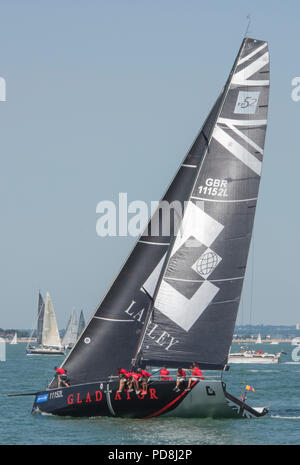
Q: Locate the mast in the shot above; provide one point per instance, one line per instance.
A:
(197, 295)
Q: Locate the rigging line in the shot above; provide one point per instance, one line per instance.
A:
(113, 319)
(219, 200)
(154, 243)
(203, 280)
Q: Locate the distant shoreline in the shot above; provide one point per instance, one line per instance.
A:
(263, 341)
(19, 340)
(244, 340)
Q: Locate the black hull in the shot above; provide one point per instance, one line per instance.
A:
(102, 399)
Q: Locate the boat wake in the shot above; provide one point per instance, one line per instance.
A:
(290, 363)
(285, 417)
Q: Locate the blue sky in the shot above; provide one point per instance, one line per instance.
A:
(106, 97)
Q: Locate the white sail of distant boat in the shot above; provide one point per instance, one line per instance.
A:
(258, 340)
(81, 324)
(14, 339)
(70, 336)
(48, 340)
(50, 330)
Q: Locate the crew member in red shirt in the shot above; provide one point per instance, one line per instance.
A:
(164, 372)
(61, 376)
(145, 376)
(134, 379)
(195, 376)
(123, 377)
(181, 377)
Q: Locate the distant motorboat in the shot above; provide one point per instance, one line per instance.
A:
(250, 356)
(295, 341)
(274, 343)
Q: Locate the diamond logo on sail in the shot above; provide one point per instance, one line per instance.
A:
(199, 229)
(206, 263)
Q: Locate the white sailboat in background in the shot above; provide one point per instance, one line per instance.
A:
(258, 340)
(74, 328)
(14, 339)
(81, 324)
(70, 336)
(50, 343)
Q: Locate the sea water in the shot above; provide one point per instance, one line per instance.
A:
(276, 386)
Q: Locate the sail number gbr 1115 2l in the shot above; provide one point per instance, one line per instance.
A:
(215, 187)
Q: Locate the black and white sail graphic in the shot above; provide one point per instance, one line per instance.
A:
(197, 298)
(40, 321)
(195, 278)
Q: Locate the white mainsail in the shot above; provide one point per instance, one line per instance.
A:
(14, 339)
(50, 335)
(258, 340)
